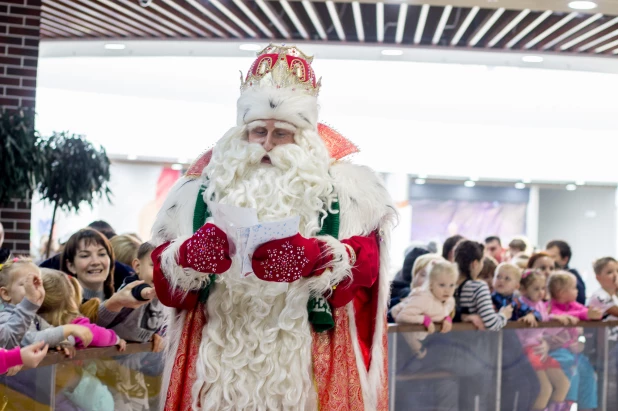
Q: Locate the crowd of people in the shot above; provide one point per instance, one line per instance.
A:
(489, 285)
(96, 292)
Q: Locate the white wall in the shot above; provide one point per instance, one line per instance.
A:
(586, 219)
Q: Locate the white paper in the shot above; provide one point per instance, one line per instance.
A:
(245, 233)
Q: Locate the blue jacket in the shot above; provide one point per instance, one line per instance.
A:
(520, 309)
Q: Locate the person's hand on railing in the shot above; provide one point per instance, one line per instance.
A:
(13, 370)
(566, 319)
(529, 319)
(431, 328)
(475, 319)
(506, 311)
(32, 354)
(68, 350)
(542, 350)
(122, 345)
(447, 325)
(594, 314)
(79, 331)
(158, 343)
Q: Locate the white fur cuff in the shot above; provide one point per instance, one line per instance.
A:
(185, 279)
(336, 271)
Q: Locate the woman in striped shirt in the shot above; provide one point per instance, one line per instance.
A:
(473, 295)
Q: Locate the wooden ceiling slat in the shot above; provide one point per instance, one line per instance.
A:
(598, 41)
(155, 17)
(45, 27)
(81, 26)
(315, 19)
(380, 22)
(195, 18)
(572, 31)
(528, 29)
(220, 13)
(508, 27)
(97, 24)
(334, 15)
(550, 30)
(606, 48)
(295, 20)
(485, 26)
(47, 33)
(59, 26)
(401, 22)
(254, 18)
(589, 34)
(358, 21)
(464, 25)
(420, 26)
(179, 20)
(112, 4)
(446, 13)
(91, 27)
(268, 10)
(104, 20)
(116, 16)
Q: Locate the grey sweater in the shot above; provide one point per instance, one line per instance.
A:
(20, 326)
(141, 323)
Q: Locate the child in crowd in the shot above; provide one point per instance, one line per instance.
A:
(506, 282)
(433, 302)
(144, 323)
(605, 299)
(472, 295)
(21, 294)
(29, 356)
(420, 269)
(562, 288)
(487, 273)
(554, 384)
(60, 307)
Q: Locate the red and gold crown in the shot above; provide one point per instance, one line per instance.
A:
(282, 67)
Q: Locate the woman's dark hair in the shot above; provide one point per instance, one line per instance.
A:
(535, 257)
(465, 253)
(449, 244)
(89, 236)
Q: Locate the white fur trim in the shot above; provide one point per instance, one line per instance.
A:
(366, 206)
(185, 279)
(264, 103)
(336, 271)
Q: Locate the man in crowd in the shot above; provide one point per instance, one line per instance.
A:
(560, 251)
(493, 248)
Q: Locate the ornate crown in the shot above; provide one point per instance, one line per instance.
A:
(282, 67)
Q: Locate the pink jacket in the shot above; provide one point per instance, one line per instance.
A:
(421, 303)
(574, 309)
(101, 337)
(9, 358)
(534, 336)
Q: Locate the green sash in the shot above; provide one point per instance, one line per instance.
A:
(320, 313)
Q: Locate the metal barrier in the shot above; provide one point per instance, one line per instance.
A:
(465, 370)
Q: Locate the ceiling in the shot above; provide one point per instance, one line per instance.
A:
(547, 26)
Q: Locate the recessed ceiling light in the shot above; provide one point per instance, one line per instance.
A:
(177, 167)
(532, 59)
(580, 183)
(571, 187)
(582, 5)
(420, 181)
(250, 47)
(392, 52)
(115, 46)
(132, 157)
(520, 186)
(469, 183)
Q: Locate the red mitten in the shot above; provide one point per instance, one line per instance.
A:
(207, 251)
(288, 259)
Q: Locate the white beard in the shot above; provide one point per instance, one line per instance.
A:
(256, 347)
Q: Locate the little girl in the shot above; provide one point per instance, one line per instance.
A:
(60, 307)
(554, 384)
(562, 288)
(432, 302)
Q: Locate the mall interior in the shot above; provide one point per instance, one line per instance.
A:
(489, 123)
